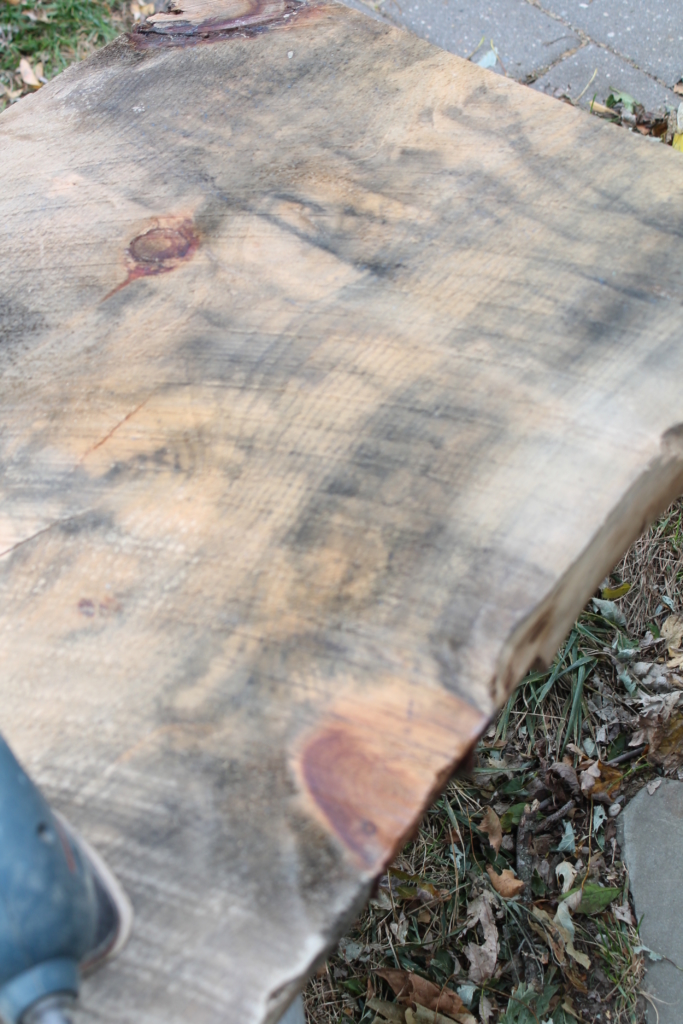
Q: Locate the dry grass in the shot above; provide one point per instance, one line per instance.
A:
(654, 567)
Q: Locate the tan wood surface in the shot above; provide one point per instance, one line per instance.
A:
(335, 374)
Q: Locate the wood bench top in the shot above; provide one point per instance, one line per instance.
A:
(335, 374)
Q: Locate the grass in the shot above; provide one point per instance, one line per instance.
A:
(52, 35)
(654, 565)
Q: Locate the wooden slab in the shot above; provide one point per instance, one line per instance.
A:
(336, 372)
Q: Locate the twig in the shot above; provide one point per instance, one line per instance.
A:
(628, 756)
(590, 848)
(553, 818)
(524, 861)
(457, 875)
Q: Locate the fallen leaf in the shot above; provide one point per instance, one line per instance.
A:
(400, 928)
(678, 88)
(672, 630)
(650, 952)
(413, 886)
(28, 75)
(505, 883)
(548, 931)
(568, 1007)
(624, 914)
(609, 783)
(538, 886)
(616, 96)
(589, 778)
(350, 950)
(397, 980)
(512, 817)
(381, 900)
(610, 611)
(562, 780)
(442, 1000)
(390, 1011)
(467, 992)
(665, 738)
(599, 817)
(659, 705)
(568, 841)
(410, 988)
(575, 978)
(567, 874)
(565, 926)
(614, 593)
(492, 827)
(601, 782)
(489, 60)
(421, 1015)
(573, 899)
(482, 958)
(591, 899)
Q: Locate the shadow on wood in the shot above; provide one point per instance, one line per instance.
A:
(336, 374)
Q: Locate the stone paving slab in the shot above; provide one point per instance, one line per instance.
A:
(647, 32)
(651, 839)
(527, 40)
(572, 75)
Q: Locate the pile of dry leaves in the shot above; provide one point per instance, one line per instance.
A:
(512, 904)
(624, 110)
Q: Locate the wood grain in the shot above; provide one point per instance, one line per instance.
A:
(336, 373)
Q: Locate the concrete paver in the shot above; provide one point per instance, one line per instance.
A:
(651, 839)
(637, 45)
(527, 40)
(650, 34)
(571, 76)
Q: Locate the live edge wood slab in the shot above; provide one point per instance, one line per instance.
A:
(335, 374)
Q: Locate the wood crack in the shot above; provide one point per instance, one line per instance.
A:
(116, 427)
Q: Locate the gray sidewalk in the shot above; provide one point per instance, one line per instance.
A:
(635, 46)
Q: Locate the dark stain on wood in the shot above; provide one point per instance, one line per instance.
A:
(158, 251)
(255, 17)
(355, 770)
(333, 765)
